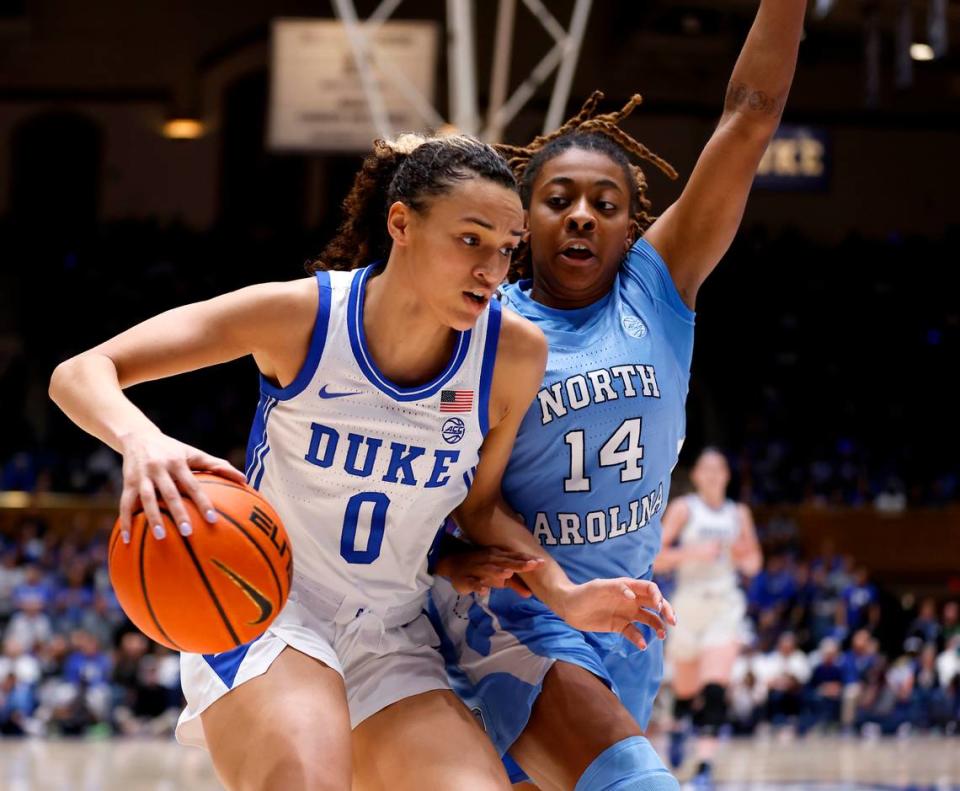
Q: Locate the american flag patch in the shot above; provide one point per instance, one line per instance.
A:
(456, 400)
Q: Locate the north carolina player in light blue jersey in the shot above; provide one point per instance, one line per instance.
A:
(613, 289)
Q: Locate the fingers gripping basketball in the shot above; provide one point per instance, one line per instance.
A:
(215, 589)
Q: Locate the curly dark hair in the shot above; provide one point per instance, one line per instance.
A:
(590, 132)
(411, 169)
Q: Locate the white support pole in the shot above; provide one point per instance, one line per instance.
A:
(463, 78)
(385, 66)
(548, 20)
(571, 53)
(382, 13)
(500, 75)
(358, 44)
(527, 88)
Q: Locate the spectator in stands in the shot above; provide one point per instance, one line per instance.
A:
(103, 619)
(859, 664)
(826, 610)
(33, 587)
(147, 708)
(17, 703)
(951, 620)
(784, 672)
(53, 656)
(29, 540)
(826, 686)
(857, 598)
(948, 662)
(892, 499)
(29, 625)
(930, 704)
(800, 618)
(132, 649)
(894, 710)
(11, 576)
(773, 588)
(73, 600)
(748, 697)
(925, 627)
(14, 659)
(80, 700)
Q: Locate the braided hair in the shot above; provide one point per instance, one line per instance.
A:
(412, 169)
(590, 132)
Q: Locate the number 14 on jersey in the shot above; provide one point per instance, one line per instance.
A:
(622, 449)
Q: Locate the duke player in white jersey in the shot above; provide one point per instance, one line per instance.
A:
(378, 386)
(613, 289)
(708, 541)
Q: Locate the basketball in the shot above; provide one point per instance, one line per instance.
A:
(210, 591)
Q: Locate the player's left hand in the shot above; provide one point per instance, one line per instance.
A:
(616, 605)
(478, 569)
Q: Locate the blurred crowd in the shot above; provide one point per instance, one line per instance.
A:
(808, 366)
(71, 663)
(817, 366)
(825, 648)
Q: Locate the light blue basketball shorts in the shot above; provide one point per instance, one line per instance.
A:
(499, 648)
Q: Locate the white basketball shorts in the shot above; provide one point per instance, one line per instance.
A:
(382, 657)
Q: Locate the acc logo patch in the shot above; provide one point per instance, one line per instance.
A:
(453, 430)
(634, 327)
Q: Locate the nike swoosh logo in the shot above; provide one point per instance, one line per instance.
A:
(262, 602)
(324, 393)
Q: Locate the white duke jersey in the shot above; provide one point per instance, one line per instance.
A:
(708, 524)
(363, 471)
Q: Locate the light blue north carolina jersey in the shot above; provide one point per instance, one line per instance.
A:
(590, 470)
(590, 474)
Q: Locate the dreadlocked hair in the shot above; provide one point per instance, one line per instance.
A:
(412, 169)
(590, 132)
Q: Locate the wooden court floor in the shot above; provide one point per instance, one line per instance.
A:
(773, 764)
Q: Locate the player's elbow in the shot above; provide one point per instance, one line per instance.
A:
(69, 375)
(749, 130)
(60, 380)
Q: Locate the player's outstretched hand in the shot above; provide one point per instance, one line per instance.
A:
(615, 605)
(157, 467)
(478, 570)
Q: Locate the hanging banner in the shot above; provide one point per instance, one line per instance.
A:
(798, 158)
(317, 100)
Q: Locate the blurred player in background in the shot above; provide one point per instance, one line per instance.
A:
(707, 541)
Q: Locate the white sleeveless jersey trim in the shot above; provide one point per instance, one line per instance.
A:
(708, 524)
(362, 471)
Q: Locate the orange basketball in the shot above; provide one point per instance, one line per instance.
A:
(210, 591)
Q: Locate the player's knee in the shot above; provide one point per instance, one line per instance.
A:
(713, 714)
(629, 765)
(295, 772)
(291, 768)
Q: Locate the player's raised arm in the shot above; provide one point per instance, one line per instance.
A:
(695, 232)
(89, 387)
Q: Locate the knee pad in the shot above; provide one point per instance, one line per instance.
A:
(713, 714)
(629, 765)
